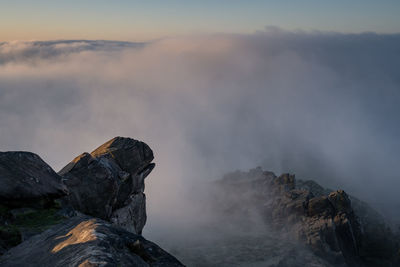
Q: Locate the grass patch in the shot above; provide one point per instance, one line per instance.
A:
(39, 220)
(10, 234)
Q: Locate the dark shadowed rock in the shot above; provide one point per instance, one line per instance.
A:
(28, 188)
(25, 177)
(109, 182)
(86, 241)
(338, 228)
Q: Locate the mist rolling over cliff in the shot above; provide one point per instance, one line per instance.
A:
(323, 105)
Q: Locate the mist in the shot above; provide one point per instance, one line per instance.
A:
(322, 105)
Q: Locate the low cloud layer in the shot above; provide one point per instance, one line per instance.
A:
(321, 105)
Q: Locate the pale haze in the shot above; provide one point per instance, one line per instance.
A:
(321, 105)
(212, 88)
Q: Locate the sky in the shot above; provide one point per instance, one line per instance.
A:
(149, 20)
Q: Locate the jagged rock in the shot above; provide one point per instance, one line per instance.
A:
(26, 178)
(324, 220)
(312, 187)
(86, 241)
(133, 215)
(378, 244)
(109, 182)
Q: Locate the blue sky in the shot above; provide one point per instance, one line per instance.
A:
(143, 20)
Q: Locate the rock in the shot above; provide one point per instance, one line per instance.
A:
(133, 215)
(87, 241)
(28, 188)
(109, 182)
(19, 224)
(26, 179)
(378, 243)
(328, 222)
(312, 187)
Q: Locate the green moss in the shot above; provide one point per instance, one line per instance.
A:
(39, 220)
(3, 211)
(10, 234)
(15, 223)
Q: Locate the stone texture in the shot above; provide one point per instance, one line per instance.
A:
(25, 177)
(86, 241)
(109, 182)
(28, 188)
(326, 222)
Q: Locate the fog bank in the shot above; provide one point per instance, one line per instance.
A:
(321, 105)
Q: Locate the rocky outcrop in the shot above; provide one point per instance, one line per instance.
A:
(326, 222)
(28, 188)
(109, 182)
(86, 241)
(42, 210)
(25, 177)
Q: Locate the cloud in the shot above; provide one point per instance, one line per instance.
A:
(24, 52)
(321, 105)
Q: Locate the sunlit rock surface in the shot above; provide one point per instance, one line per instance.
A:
(109, 182)
(87, 241)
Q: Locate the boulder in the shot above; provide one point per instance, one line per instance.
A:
(86, 241)
(26, 178)
(109, 182)
(28, 189)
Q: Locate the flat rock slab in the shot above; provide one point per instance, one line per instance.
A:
(87, 241)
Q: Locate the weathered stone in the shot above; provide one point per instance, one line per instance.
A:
(26, 178)
(133, 216)
(313, 187)
(319, 205)
(109, 182)
(86, 241)
(326, 221)
(28, 188)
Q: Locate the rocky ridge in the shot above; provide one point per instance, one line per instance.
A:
(335, 226)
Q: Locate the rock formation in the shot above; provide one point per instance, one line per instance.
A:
(325, 221)
(85, 241)
(28, 188)
(109, 182)
(61, 219)
(24, 176)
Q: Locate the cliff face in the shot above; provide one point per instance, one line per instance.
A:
(89, 214)
(326, 221)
